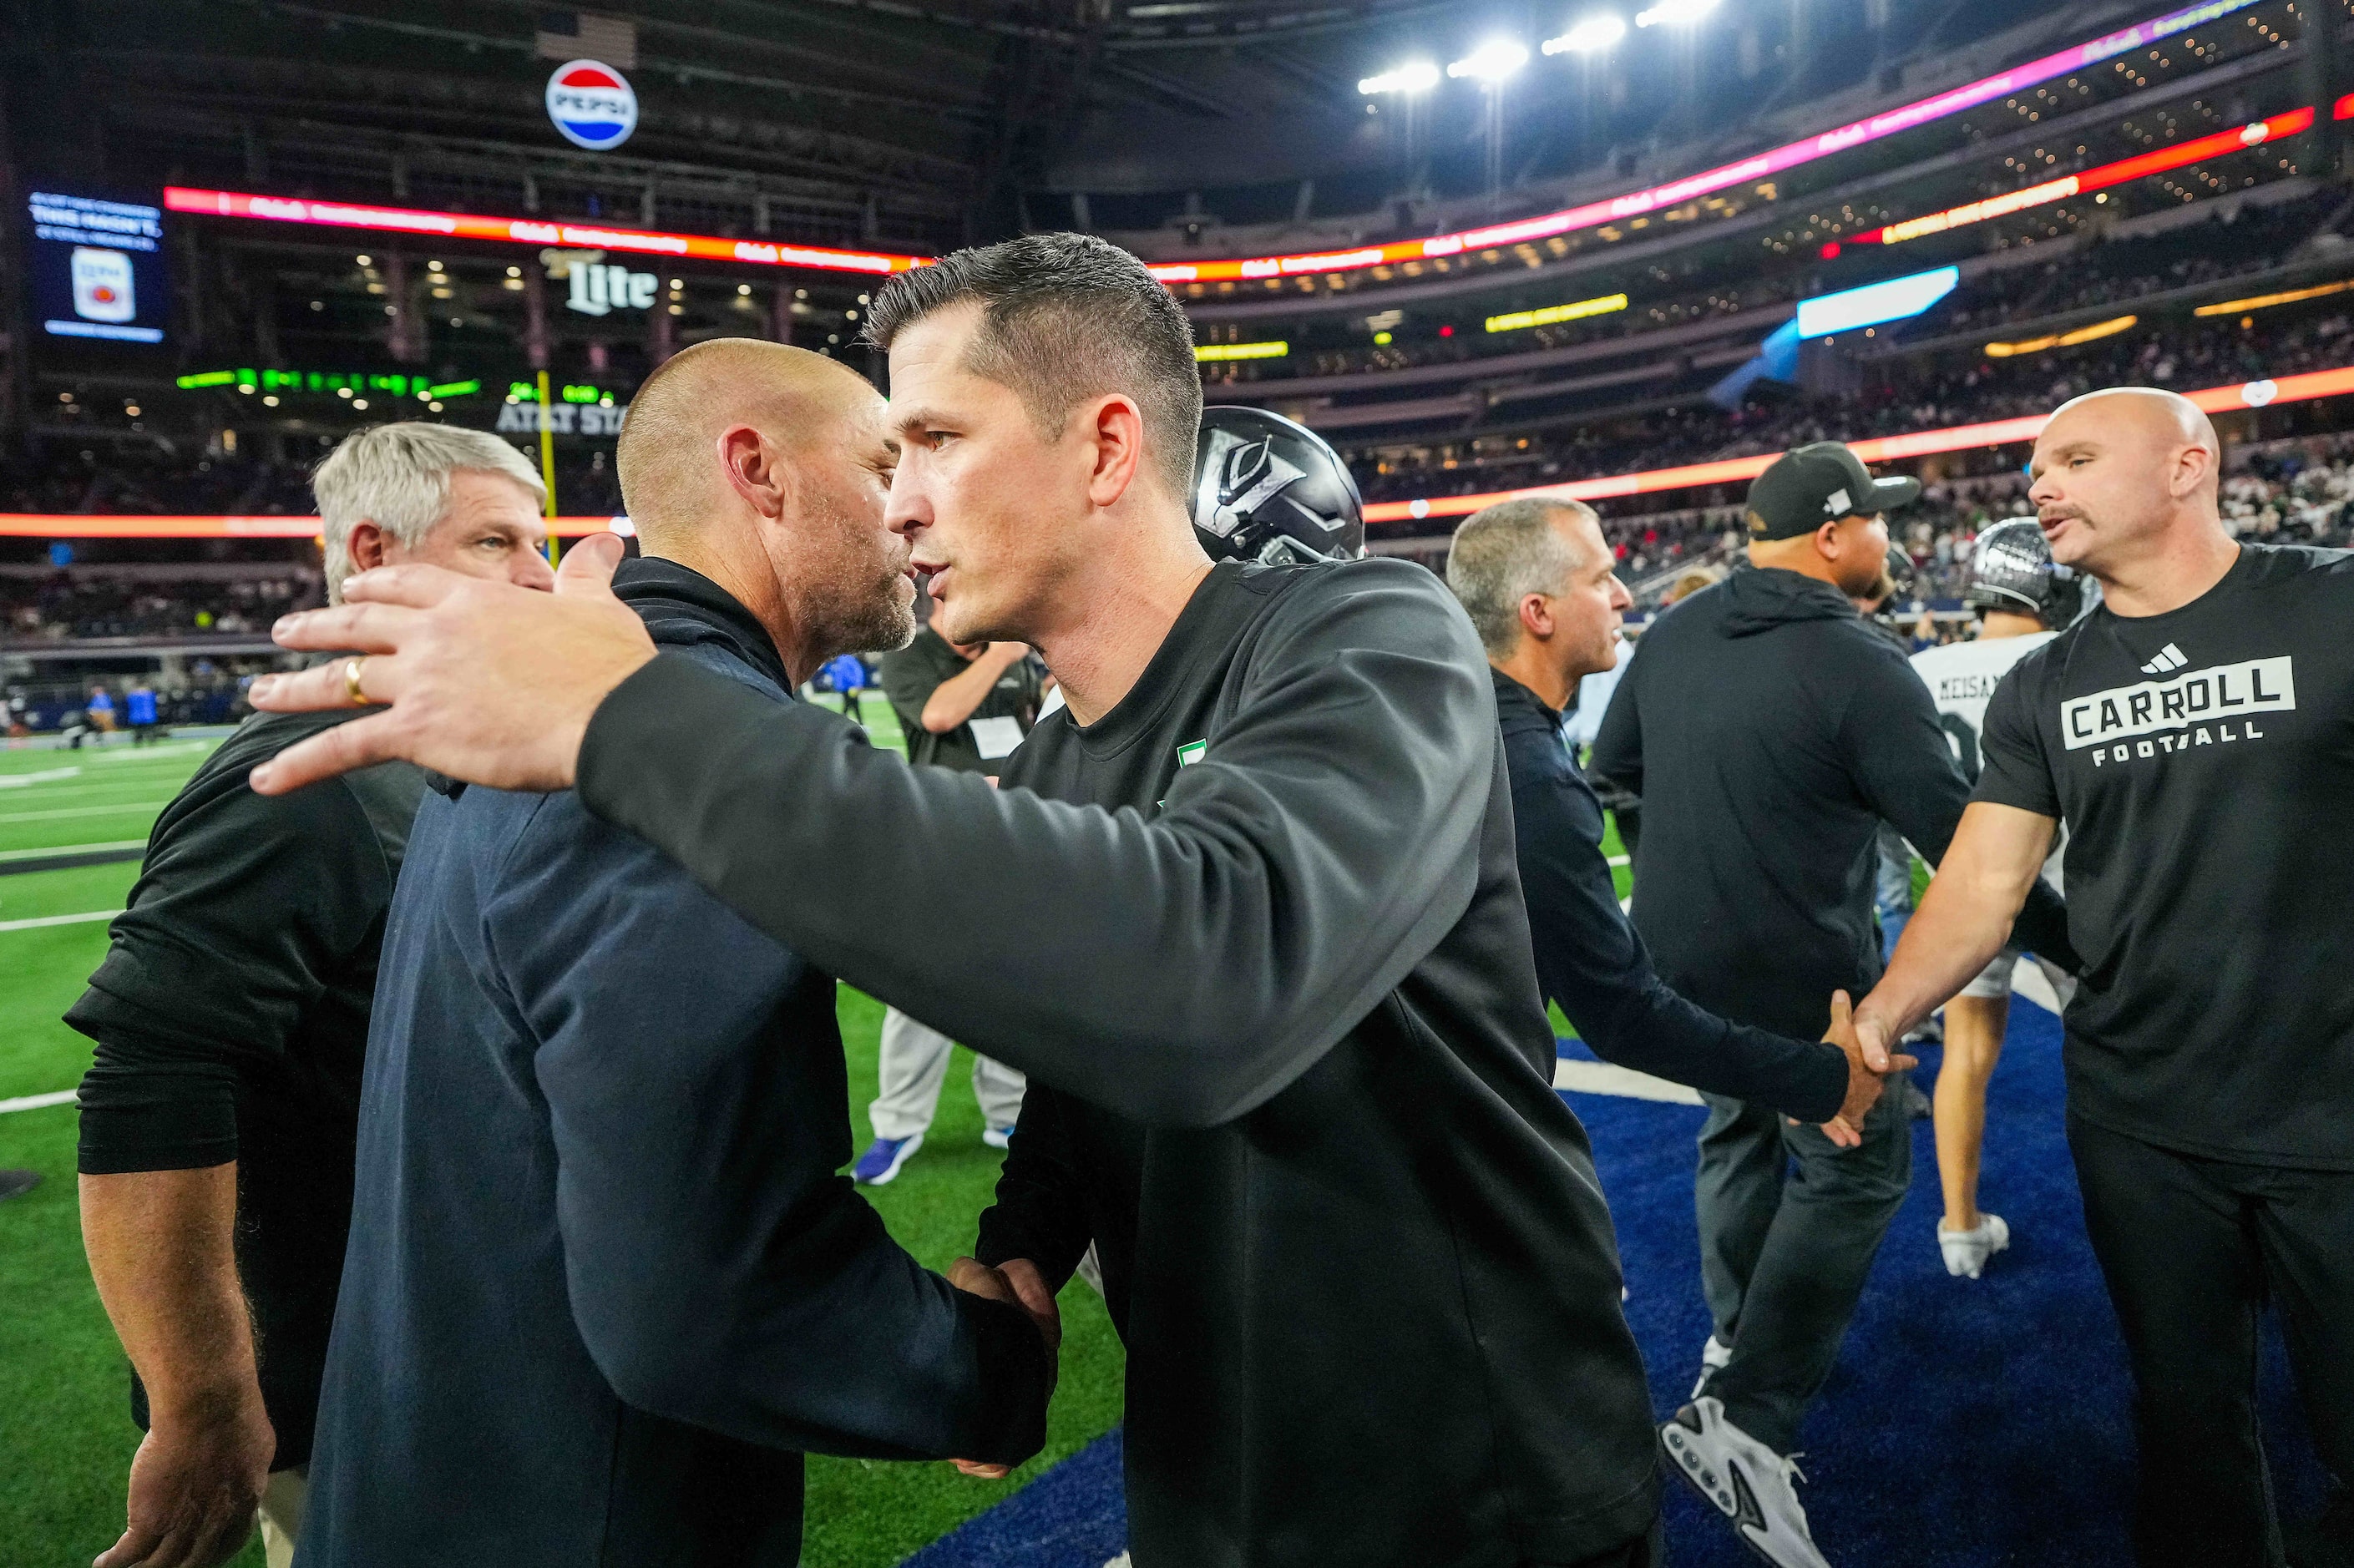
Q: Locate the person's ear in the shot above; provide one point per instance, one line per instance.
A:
(2193, 467)
(1536, 616)
(366, 545)
(1828, 543)
(1115, 435)
(756, 469)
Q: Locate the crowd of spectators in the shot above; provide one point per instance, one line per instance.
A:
(1898, 396)
(2247, 240)
(152, 479)
(72, 605)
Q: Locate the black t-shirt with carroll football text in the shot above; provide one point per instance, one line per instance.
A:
(2204, 762)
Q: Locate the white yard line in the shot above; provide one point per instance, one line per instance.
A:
(55, 812)
(37, 1102)
(1617, 859)
(39, 920)
(45, 775)
(72, 849)
(143, 753)
(1603, 1078)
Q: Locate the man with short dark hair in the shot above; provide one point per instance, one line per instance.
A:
(1769, 731)
(1250, 897)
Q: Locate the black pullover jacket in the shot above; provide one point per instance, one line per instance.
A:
(1769, 730)
(1271, 923)
(605, 1283)
(1593, 965)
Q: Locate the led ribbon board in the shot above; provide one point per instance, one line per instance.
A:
(1637, 203)
(1878, 449)
(533, 232)
(2255, 134)
(1896, 300)
(1210, 353)
(1547, 316)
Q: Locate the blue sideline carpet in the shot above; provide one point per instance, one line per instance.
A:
(1968, 1425)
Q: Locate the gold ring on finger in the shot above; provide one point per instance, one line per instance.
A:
(351, 682)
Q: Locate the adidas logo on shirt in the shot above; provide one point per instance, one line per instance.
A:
(2169, 659)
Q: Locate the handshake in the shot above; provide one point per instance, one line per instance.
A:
(1870, 1065)
(1019, 1282)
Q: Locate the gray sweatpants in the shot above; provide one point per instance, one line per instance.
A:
(1788, 1226)
(916, 1064)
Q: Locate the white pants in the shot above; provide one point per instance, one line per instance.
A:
(916, 1064)
(282, 1514)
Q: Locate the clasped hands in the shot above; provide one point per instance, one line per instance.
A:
(1017, 1281)
(1870, 1065)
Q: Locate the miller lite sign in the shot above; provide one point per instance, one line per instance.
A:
(591, 105)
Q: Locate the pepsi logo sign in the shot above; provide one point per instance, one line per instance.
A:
(591, 105)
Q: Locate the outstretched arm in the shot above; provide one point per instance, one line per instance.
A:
(1180, 969)
(1994, 860)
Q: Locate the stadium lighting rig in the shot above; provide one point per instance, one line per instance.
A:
(1757, 167)
(1589, 34)
(1491, 62)
(1674, 13)
(1416, 76)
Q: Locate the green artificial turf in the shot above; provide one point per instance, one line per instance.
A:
(64, 1428)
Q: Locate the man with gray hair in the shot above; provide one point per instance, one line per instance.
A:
(231, 1013)
(1534, 575)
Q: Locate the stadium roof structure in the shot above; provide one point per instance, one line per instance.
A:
(907, 130)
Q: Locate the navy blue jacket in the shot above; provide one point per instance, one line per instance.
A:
(1594, 966)
(604, 1283)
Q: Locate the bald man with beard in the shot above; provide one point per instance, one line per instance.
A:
(2196, 734)
(605, 1286)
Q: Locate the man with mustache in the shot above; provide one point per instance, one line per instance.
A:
(1258, 899)
(2196, 736)
(605, 1285)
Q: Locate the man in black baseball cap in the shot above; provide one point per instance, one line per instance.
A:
(1824, 485)
(1769, 731)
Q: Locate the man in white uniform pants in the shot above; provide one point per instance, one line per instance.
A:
(2022, 600)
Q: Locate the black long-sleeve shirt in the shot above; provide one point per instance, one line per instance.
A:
(1769, 731)
(1263, 914)
(1593, 965)
(605, 1281)
(230, 1018)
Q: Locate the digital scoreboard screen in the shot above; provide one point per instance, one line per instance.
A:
(97, 267)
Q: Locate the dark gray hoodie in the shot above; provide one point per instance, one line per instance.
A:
(1768, 730)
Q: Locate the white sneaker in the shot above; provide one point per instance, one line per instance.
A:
(1714, 1357)
(1966, 1250)
(1744, 1480)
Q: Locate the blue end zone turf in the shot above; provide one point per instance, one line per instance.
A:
(1969, 1423)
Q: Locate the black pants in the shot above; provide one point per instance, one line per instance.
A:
(1789, 1224)
(2191, 1248)
(1646, 1551)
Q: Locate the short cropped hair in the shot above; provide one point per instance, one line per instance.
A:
(1064, 317)
(1502, 553)
(397, 477)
